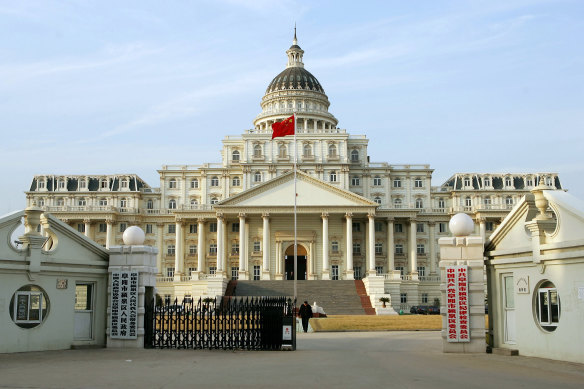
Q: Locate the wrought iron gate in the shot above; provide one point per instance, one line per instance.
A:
(228, 323)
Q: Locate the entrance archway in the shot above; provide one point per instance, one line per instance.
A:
(289, 262)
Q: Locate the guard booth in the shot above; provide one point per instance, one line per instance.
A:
(228, 323)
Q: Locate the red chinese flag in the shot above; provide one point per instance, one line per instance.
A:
(283, 128)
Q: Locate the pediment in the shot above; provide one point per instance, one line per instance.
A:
(511, 233)
(312, 192)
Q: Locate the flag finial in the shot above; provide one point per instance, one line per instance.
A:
(295, 41)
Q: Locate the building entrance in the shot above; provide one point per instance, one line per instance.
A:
(289, 263)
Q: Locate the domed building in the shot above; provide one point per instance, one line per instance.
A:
(234, 220)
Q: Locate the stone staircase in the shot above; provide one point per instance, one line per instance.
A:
(337, 297)
(365, 300)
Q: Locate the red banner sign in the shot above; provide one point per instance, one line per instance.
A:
(457, 307)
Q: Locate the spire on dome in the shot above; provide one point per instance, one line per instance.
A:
(295, 53)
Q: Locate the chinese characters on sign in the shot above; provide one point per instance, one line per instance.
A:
(457, 307)
(124, 305)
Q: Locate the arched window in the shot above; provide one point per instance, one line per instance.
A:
(307, 150)
(354, 155)
(377, 181)
(214, 181)
(235, 181)
(486, 181)
(468, 202)
(419, 203)
(235, 156)
(41, 184)
(333, 176)
(194, 202)
(257, 177)
(257, 151)
(103, 184)
(41, 202)
(82, 202)
(332, 151)
(467, 181)
(441, 203)
(355, 181)
(282, 152)
(61, 184)
(507, 181)
(149, 204)
(377, 199)
(172, 204)
(397, 203)
(124, 183)
(214, 200)
(194, 183)
(172, 184)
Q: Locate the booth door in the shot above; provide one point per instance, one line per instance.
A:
(509, 309)
(83, 311)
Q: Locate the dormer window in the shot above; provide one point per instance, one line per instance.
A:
(61, 184)
(124, 183)
(103, 184)
(355, 156)
(235, 156)
(41, 184)
(172, 184)
(548, 181)
(508, 181)
(529, 181)
(487, 181)
(467, 181)
(82, 184)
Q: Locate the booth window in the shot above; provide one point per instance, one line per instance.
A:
(547, 306)
(29, 306)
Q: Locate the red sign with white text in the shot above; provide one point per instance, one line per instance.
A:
(457, 307)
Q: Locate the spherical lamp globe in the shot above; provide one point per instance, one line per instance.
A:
(134, 236)
(461, 225)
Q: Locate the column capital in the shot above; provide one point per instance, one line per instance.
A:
(220, 216)
(349, 215)
(241, 215)
(201, 220)
(481, 219)
(108, 221)
(86, 221)
(371, 215)
(413, 220)
(265, 215)
(159, 224)
(390, 219)
(324, 215)
(432, 223)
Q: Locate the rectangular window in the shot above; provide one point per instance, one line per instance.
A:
(442, 227)
(102, 227)
(399, 227)
(170, 249)
(191, 270)
(421, 249)
(123, 227)
(357, 272)
(421, 271)
(419, 227)
(192, 228)
(379, 270)
(403, 298)
(399, 248)
(193, 249)
(335, 246)
(148, 228)
(256, 246)
(234, 272)
(235, 227)
(256, 273)
(357, 248)
(81, 227)
(400, 269)
(170, 271)
(213, 227)
(397, 183)
(213, 249)
(28, 307)
(212, 270)
(235, 249)
(489, 226)
(172, 228)
(356, 227)
(424, 298)
(335, 272)
(378, 227)
(548, 307)
(378, 248)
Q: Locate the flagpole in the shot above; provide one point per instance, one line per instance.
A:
(295, 196)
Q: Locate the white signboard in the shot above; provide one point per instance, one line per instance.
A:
(286, 332)
(523, 285)
(124, 305)
(457, 307)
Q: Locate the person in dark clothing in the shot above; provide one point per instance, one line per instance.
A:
(305, 313)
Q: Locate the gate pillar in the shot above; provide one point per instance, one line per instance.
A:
(132, 278)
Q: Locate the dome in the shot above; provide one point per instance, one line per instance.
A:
(294, 78)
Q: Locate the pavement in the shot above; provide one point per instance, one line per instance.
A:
(323, 360)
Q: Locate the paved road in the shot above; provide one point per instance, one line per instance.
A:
(323, 360)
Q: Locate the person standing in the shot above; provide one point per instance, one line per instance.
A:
(305, 313)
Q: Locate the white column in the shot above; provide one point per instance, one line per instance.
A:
(201, 246)
(220, 246)
(390, 246)
(325, 247)
(483, 228)
(371, 243)
(109, 240)
(279, 260)
(178, 246)
(432, 227)
(413, 249)
(349, 275)
(87, 228)
(159, 243)
(266, 247)
(242, 249)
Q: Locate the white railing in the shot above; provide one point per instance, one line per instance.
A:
(164, 280)
(429, 278)
(390, 276)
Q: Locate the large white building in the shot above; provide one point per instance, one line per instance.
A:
(234, 219)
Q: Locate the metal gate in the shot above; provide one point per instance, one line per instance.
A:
(227, 323)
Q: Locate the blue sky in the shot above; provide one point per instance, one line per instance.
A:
(91, 87)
